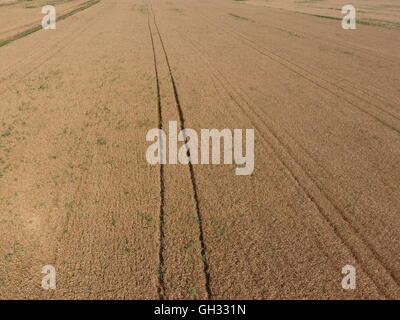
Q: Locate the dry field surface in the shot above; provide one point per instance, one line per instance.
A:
(17, 16)
(76, 191)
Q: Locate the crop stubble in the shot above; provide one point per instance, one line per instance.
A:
(77, 191)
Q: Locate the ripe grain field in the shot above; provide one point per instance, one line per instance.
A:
(76, 190)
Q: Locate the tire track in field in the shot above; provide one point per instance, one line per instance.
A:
(304, 67)
(231, 93)
(305, 191)
(27, 32)
(41, 56)
(355, 229)
(40, 51)
(304, 73)
(288, 134)
(373, 95)
(307, 75)
(284, 131)
(215, 78)
(203, 249)
(366, 52)
(161, 271)
(346, 45)
(324, 77)
(370, 52)
(31, 25)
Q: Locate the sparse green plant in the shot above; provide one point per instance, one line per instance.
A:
(190, 246)
(101, 141)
